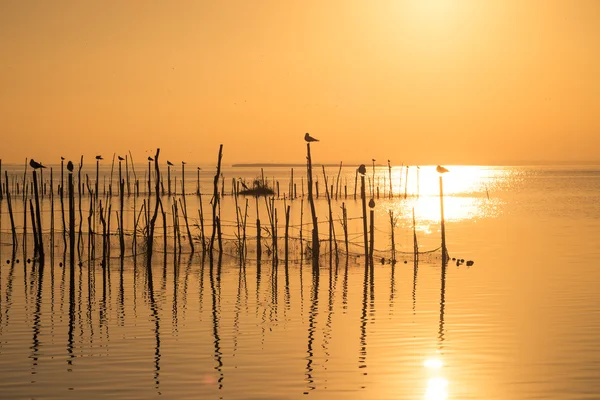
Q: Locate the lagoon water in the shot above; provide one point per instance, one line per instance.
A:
(521, 323)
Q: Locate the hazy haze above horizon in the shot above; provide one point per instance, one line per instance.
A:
(417, 82)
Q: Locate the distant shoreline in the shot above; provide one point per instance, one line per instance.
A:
(287, 165)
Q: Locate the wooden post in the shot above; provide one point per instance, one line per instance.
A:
(71, 224)
(443, 223)
(39, 219)
(287, 231)
(315, 233)
(215, 205)
(372, 232)
(363, 198)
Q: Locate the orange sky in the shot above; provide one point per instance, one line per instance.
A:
(415, 81)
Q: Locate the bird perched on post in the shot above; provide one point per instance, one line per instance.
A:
(309, 138)
(120, 158)
(441, 170)
(62, 158)
(99, 158)
(35, 164)
(150, 158)
(70, 166)
(372, 203)
(362, 169)
(169, 162)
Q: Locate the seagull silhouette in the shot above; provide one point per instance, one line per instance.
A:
(120, 158)
(309, 138)
(70, 166)
(441, 169)
(62, 158)
(99, 158)
(35, 164)
(169, 162)
(372, 203)
(150, 159)
(183, 162)
(362, 169)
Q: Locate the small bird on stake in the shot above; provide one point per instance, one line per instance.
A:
(441, 170)
(362, 169)
(120, 158)
(35, 164)
(372, 203)
(169, 162)
(70, 166)
(309, 138)
(99, 158)
(150, 159)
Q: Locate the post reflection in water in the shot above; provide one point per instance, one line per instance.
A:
(437, 384)
(312, 322)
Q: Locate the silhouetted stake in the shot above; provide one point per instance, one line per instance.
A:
(345, 227)
(391, 193)
(302, 181)
(149, 178)
(2, 185)
(240, 249)
(97, 168)
(337, 181)
(127, 172)
(355, 182)
(328, 197)
(198, 182)
(372, 241)
(11, 217)
(258, 244)
(315, 232)
(112, 167)
(392, 228)
(103, 222)
(150, 241)
(79, 190)
(39, 220)
(51, 215)
(71, 226)
(25, 221)
(295, 193)
(317, 188)
(164, 219)
(291, 189)
(202, 235)
(287, 232)
(278, 190)
(442, 222)
(91, 246)
(135, 179)
(301, 229)
(36, 244)
(169, 178)
(62, 213)
(415, 243)
(244, 246)
(363, 198)
(215, 204)
(121, 225)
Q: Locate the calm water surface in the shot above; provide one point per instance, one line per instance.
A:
(521, 323)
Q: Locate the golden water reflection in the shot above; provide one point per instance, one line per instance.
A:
(466, 194)
(436, 384)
